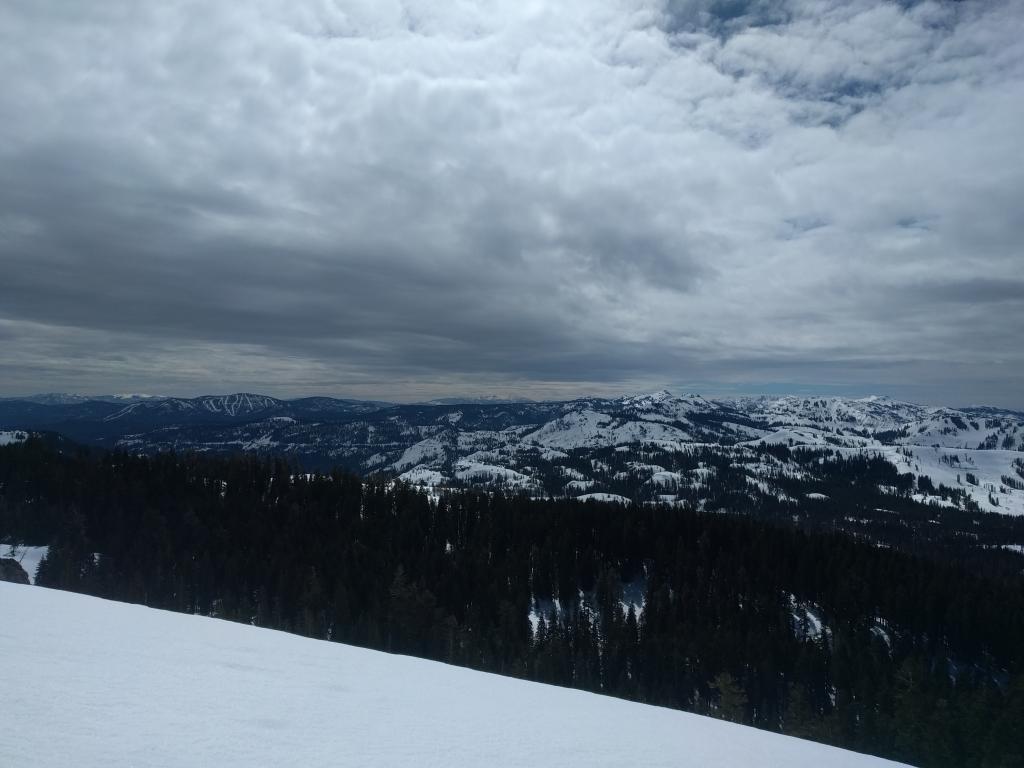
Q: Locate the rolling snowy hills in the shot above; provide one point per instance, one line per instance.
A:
(90, 682)
(631, 447)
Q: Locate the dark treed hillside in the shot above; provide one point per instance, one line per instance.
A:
(810, 633)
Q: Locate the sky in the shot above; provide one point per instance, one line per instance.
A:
(403, 200)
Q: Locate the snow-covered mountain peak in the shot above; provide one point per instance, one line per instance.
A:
(872, 413)
(667, 404)
(647, 398)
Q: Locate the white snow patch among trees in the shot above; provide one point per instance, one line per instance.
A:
(422, 452)
(609, 497)
(28, 557)
(423, 476)
(473, 471)
(12, 436)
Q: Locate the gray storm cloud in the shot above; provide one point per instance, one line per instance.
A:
(407, 199)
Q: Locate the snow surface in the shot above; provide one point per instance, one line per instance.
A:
(91, 682)
(478, 472)
(665, 478)
(574, 486)
(589, 429)
(422, 476)
(425, 450)
(949, 467)
(917, 439)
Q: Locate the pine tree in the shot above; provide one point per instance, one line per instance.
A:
(731, 700)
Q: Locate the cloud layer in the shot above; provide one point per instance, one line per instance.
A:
(403, 199)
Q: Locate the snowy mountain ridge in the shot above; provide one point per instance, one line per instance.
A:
(573, 448)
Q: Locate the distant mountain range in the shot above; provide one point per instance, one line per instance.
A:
(64, 398)
(628, 448)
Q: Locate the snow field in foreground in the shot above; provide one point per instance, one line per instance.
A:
(90, 682)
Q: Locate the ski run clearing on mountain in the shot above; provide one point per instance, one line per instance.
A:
(91, 682)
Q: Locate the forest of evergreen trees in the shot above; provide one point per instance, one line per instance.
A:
(804, 631)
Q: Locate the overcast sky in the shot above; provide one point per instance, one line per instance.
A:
(413, 199)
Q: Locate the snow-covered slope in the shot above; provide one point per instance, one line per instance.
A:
(239, 404)
(95, 683)
(871, 413)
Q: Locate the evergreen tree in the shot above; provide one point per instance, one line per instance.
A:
(731, 700)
